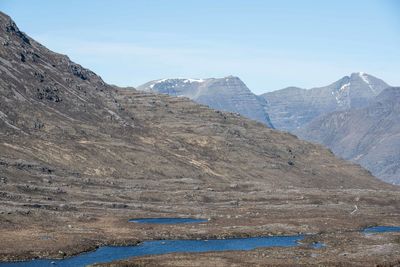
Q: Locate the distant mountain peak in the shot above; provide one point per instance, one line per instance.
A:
(360, 74)
(173, 82)
(290, 108)
(359, 82)
(193, 80)
(229, 93)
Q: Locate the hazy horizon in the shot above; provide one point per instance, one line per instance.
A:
(269, 45)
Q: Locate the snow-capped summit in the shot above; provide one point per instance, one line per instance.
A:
(226, 94)
(291, 109)
(171, 82)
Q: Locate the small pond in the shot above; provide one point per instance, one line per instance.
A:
(381, 229)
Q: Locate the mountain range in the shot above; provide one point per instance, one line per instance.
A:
(226, 94)
(300, 111)
(61, 116)
(80, 157)
(293, 107)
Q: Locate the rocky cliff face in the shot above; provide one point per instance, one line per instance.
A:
(291, 108)
(369, 136)
(226, 94)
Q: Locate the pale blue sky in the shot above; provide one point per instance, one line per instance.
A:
(268, 44)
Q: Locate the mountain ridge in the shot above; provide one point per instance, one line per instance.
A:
(368, 135)
(291, 108)
(226, 94)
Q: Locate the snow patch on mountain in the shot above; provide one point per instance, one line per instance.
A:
(177, 81)
(193, 80)
(342, 94)
(364, 77)
(344, 87)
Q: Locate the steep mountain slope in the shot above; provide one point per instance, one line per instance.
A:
(226, 94)
(369, 136)
(293, 107)
(52, 105)
(80, 157)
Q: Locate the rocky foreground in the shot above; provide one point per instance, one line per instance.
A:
(80, 157)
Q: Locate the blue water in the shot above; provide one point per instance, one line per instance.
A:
(167, 220)
(108, 254)
(381, 229)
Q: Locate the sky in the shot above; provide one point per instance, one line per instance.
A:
(268, 44)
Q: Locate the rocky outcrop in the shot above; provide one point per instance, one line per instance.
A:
(226, 94)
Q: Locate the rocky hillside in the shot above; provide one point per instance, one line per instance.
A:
(80, 157)
(292, 107)
(369, 136)
(59, 118)
(225, 94)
